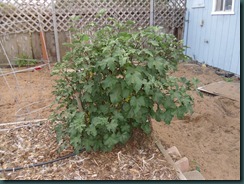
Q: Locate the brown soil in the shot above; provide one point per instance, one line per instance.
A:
(26, 98)
(209, 138)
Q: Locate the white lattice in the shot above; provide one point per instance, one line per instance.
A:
(170, 13)
(135, 10)
(21, 16)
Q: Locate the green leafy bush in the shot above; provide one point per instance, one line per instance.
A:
(117, 80)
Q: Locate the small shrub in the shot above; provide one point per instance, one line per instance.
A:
(25, 60)
(120, 80)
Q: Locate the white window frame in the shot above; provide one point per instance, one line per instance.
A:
(223, 12)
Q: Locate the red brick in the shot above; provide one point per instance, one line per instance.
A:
(183, 164)
(194, 175)
(173, 151)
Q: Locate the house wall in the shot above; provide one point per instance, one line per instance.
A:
(217, 41)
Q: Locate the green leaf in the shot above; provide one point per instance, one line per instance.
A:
(118, 116)
(175, 94)
(147, 51)
(146, 127)
(84, 37)
(111, 141)
(88, 143)
(195, 82)
(167, 116)
(111, 63)
(125, 127)
(109, 82)
(147, 87)
(141, 101)
(158, 64)
(88, 88)
(157, 115)
(125, 92)
(154, 43)
(76, 142)
(115, 95)
(131, 113)
(99, 121)
(198, 169)
(102, 65)
(91, 130)
(124, 137)
(181, 112)
(112, 125)
(78, 123)
(87, 97)
(169, 103)
(183, 79)
(133, 101)
(158, 97)
(137, 103)
(123, 61)
(126, 107)
(135, 79)
(95, 122)
(104, 108)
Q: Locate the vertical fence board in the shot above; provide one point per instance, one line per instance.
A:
(36, 46)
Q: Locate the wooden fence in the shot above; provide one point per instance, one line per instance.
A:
(21, 21)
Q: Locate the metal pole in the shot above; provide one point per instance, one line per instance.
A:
(10, 64)
(151, 12)
(2, 74)
(55, 31)
(186, 29)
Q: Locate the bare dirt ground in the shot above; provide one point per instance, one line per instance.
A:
(28, 97)
(209, 138)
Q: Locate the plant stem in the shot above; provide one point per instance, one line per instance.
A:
(77, 97)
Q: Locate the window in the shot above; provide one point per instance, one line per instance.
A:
(223, 7)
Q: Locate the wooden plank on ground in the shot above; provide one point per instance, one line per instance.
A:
(226, 89)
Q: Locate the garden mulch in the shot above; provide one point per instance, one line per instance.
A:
(35, 143)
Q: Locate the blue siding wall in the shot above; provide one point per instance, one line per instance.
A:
(217, 42)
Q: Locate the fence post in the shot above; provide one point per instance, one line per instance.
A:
(186, 29)
(151, 12)
(55, 31)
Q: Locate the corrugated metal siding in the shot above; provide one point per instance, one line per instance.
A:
(222, 32)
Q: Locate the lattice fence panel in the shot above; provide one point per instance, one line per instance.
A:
(21, 16)
(136, 10)
(170, 13)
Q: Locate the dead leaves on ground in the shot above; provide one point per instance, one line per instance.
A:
(35, 143)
